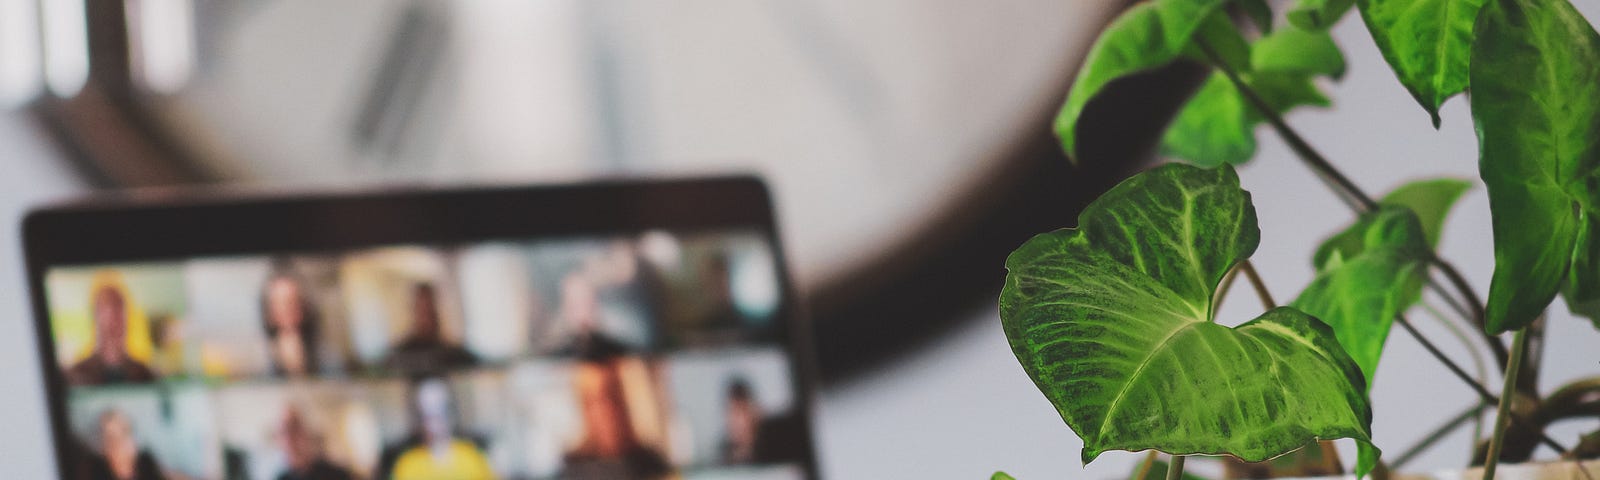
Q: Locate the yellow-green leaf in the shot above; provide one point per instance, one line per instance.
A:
(1113, 322)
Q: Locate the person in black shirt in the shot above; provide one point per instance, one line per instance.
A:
(424, 350)
(119, 456)
(302, 446)
(110, 361)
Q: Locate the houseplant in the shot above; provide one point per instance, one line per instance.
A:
(1114, 319)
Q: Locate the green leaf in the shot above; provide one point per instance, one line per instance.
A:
(1158, 471)
(1318, 14)
(1113, 322)
(1366, 275)
(1001, 476)
(1146, 36)
(1382, 266)
(1218, 124)
(1296, 50)
(1427, 43)
(1535, 75)
(1430, 200)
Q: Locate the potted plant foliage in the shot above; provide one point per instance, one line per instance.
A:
(1114, 319)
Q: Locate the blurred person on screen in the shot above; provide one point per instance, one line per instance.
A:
(435, 450)
(291, 324)
(119, 456)
(302, 447)
(751, 437)
(424, 349)
(611, 446)
(109, 361)
(743, 420)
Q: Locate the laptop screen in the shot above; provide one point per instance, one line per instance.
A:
(653, 354)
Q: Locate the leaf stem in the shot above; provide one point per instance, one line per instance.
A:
(1175, 469)
(1260, 286)
(1437, 434)
(1347, 190)
(1519, 348)
(1483, 392)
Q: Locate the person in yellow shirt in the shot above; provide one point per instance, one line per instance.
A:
(436, 452)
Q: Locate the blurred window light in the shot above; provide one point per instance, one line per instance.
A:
(20, 79)
(66, 46)
(163, 46)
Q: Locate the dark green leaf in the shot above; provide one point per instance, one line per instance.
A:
(1158, 471)
(1427, 43)
(1113, 321)
(1296, 50)
(1146, 36)
(1259, 12)
(1535, 75)
(1582, 291)
(1318, 14)
(1224, 37)
(1430, 200)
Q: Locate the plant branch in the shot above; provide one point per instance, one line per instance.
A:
(1437, 434)
(1471, 297)
(1483, 392)
(1347, 190)
(1519, 349)
(1260, 286)
(1175, 469)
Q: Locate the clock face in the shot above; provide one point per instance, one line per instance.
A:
(867, 119)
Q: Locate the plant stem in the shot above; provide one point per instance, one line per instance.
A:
(1437, 434)
(1144, 467)
(1477, 362)
(1519, 347)
(1460, 283)
(1260, 286)
(1347, 190)
(1483, 392)
(1353, 194)
(1175, 469)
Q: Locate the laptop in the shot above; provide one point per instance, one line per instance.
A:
(617, 330)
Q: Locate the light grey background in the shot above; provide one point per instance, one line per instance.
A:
(962, 408)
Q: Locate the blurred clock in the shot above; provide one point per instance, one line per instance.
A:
(877, 124)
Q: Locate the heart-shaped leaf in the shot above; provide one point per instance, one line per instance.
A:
(1430, 200)
(1146, 36)
(1426, 42)
(1113, 321)
(1535, 75)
